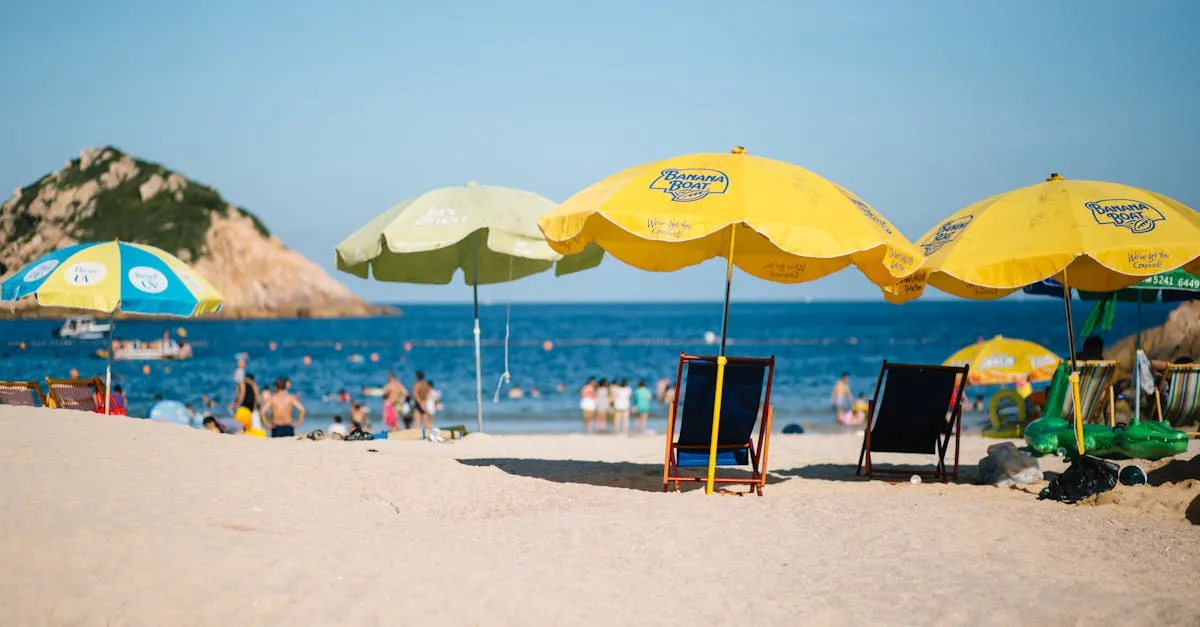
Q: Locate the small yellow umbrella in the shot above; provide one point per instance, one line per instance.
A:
(789, 226)
(1005, 360)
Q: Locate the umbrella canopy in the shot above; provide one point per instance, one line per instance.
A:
(490, 233)
(1005, 360)
(1171, 286)
(1091, 235)
(790, 224)
(772, 219)
(112, 276)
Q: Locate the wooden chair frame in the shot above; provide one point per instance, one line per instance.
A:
(758, 450)
(953, 427)
(95, 383)
(32, 386)
(1109, 391)
(1168, 375)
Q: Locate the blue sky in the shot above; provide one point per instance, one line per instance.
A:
(319, 115)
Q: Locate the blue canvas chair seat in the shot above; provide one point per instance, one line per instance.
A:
(746, 393)
(916, 409)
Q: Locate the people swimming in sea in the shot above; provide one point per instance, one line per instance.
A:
(516, 392)
(842, 400)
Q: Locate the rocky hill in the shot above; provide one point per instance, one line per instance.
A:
(106, 194)
(1179, 336)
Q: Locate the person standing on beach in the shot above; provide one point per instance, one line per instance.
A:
(602, 405)
(277, 413)
(622, 396)
(587, 403)
(247, 403)
(394, 394)
(842, 400)
(421, 397)
(641, 405)
(435, 403)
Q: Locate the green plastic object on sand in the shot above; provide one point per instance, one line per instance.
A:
(1042, 434)
(1141, 440)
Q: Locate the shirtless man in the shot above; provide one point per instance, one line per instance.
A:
(277, 412)
(421, 394)
(394, 393)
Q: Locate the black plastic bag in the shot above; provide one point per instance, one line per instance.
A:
(1086, 476)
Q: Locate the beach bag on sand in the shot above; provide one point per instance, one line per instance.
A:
(1005, 464)
(1086, 476)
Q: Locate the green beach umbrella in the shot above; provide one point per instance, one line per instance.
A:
(489, 233)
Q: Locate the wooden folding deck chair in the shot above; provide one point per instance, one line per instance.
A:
(1182, 406)
(915, 409)
(746, 391)
(23, 393)
(78, 394)
(1096, 395)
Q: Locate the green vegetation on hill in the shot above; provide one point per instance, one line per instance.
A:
(120, 212)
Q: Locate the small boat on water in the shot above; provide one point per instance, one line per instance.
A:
(137, 350)
(83, 328)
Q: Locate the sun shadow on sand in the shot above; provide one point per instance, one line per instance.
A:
(627, 475)
(846, 472)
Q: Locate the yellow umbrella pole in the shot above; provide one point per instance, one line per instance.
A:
(716, 421)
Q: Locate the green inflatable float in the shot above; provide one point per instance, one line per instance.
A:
(1141, 440)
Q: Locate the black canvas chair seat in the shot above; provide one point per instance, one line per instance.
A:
(915, 410)
(746, 392)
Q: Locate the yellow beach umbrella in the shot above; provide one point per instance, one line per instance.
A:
(1094, 236)
(772, 219)
(1004, 360)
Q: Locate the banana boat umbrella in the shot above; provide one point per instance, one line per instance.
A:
(489, 233)
(114, 276)
(772, 219)
(1093, 236)
(1004, 360)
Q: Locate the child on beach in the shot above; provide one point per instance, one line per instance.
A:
(435, 403)
(358, 417)
(641, 405)
(621, 396)
(859, 410)
(338, 427)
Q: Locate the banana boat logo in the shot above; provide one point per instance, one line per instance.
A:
(946, 233)
(690, 184)
(1135, 215)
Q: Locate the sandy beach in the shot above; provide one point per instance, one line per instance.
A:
(112, 521)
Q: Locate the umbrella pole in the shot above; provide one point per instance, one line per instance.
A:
(1137, 370)
(1070, 321)
(721, 360)
(108, 366)
(478, 361)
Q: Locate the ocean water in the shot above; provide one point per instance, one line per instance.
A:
(813, 344)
